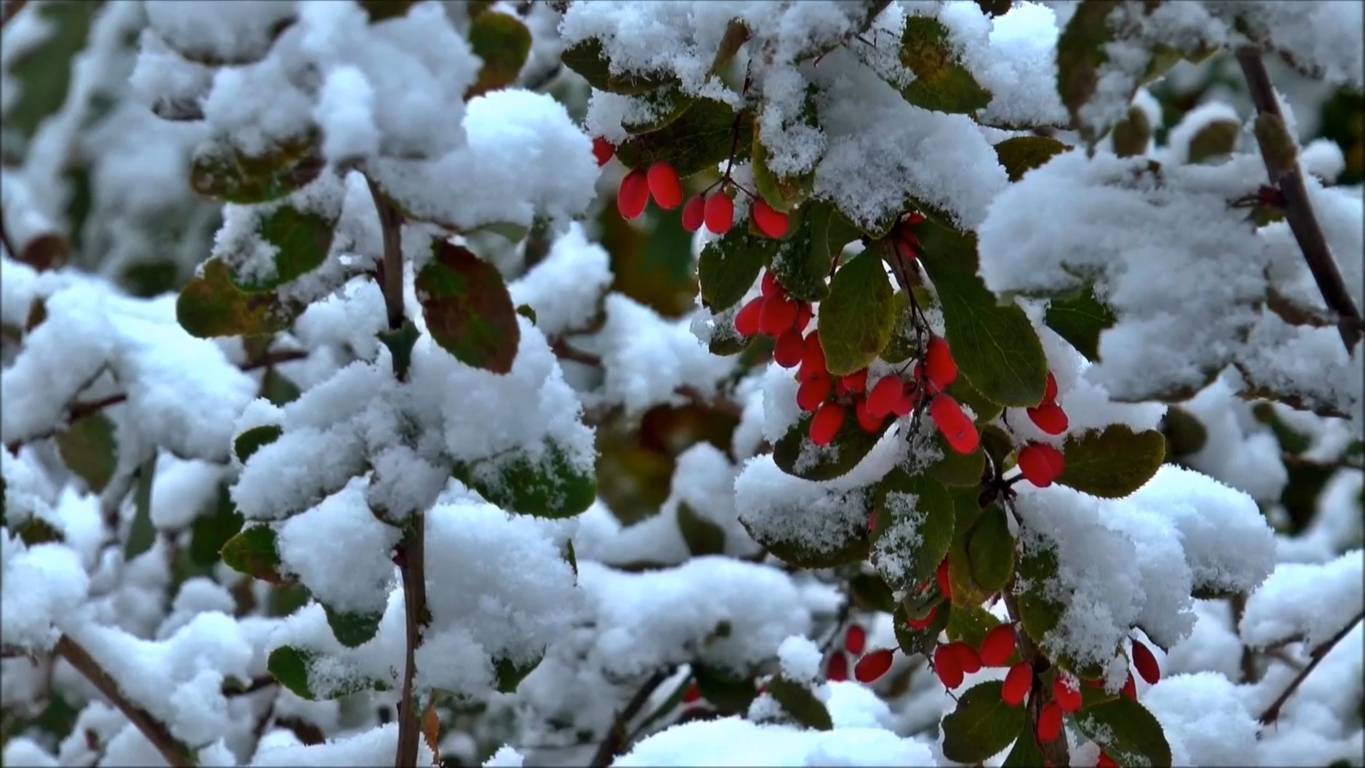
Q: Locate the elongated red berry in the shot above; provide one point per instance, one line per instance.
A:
(854, 383)
(603, 150)
(956, 427)
(945, 587)
(748, 317)
(1049, 390)
(694, 213)
(826, 423)
(779, 315)
(770, 222)
(1130, 688)
(946, 667)
(998, 646)
(633, 195)
(939, 365)
(905, 403)
(664, 185)
(1145, 663)
(872, 666)
(1067, 697)
(770, 286)
(921, 624)
(787, 351)
(855, 639)
(967, 657)
(813, 392)
(885, 394)
(813, 359)
(693, 693)
(1049, 417)
(1105, 761)
(803, 315)
(1041, 464)
(905, 249)
(719, 213)
(1049, 723)
(836, 669)
(1018, 681)
(869, 423)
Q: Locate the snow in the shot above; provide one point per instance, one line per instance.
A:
(732, 741)
(42, 584)
(1205, 720)
(373, 746)
(564, 289)
(646, 357)
(1304, 601)
(308, 542)
(800, 659)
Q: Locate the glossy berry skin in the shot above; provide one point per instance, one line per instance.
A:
(779, 314)
(603, 150)
(633, 195)
(826, 423)
(790, 345)
(1049, 417)
(947, 667)
(1049, 723)
(664, 185)
(855, 639)
(769, 285)
(954, 424)
(1105, 761)
(967, 657)
(747, 320)
(939, 365)
(812, 359)
(836, 669)
(1130, 688)
(885, 395)
(944, 585)
(770, 222)
(719, 213)
(812, 392)
(1067, 697)
(803, 316)
(1145, 663)
(905, 403)
(694, 214)
(1018, 681)
(866, 421)
(854, 383)
(998, 646)
(1049, 390)
(872, 666)
(1041, 464)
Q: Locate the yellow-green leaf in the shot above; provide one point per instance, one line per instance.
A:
(941, 82)
(857, 316)
(1114, 462)
(503, 43)
(211, 305)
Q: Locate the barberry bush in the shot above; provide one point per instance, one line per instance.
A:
(681, 383)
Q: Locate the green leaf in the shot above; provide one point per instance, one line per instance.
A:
(1080, 54)
(468, 310)
(913, 528)
(254, 439)
(253, 552)
(870, 593)
(224, 172)
(659, 107)
(990, 550)
(784, 193)
(549, 485)
(142, 534)
(982, 725)
(1127, 732)
(35, 531)
(1112, 463)
(957, 469)
(1131, 134)
(352, 629)
(800, 703)
(796, 455)
(840, 543)
(289, 666)
(802, 261)
(728, 266)
(301, 240)
(1080, 319)
(210, 531)
(1025, 754)
(857, 316)
(941, 82)
(1216, 139)
(995, 346)
(503, 43)
(923, 641)
(588, 59)
(1039, 611)
(510, 675)
(379, 10)
(89, 449)
(985, 409)
(210, 305)
(702, 536)
(969, 622)
(697, 140)
(727, 692)
(1022, 154)
(1184, 433)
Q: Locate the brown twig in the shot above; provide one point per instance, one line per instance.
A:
(9, 9)
(1315, 657)
(391, 266)
(616, 734)
(172, 751)
(1298, 211)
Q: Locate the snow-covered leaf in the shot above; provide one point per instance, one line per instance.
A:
(1113, 462)
(1127, 732)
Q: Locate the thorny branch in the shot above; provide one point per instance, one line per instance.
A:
(1315, 657)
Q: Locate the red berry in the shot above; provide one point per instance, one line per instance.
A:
(1041, 463)
(603, 150)
(855, 639)
(998, 646)
(1050, 723)
(803, 315)
(694, 213)
(770, 286)
(779, 314)
(944, 585)
(915, 218)
(905, 403)
(869, 423)
(939, 365)
(812, 392)
(957, 429)
(1049, 417)
(1067, 697)
(692, 694)
(905, 249)
(813, 359)
(836, 669)
(770, 222)
(664, 185)
(920, 625)
(633, 195)
(719, 213)
(854, 383)
(946, 666)
(826, 423)
(1105, 761)
(872, 666)
(1145, 663)
(1130, 688)
(885, 394)
(1049, 390)
(787, 352)
(1018, 681)
(747, 320)
(966, 657)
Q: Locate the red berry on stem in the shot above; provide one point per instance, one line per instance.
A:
(939, 365)
(826, 423)
(966, 657)
(747, 320)
(869, 423)
(885, 394)
(694, 213)
(813, 359)
(770, 286)
(1050, 723)
(692, 694)
(1067, 697)
(872, 666)
(1041, 463)
(603, 150)
(946, 667)
(957, 429)
(855, 639)
(998, 646)
(1049, 417)
(770, 222)
(1145, 663)
(719, 213)
(633, 195)
(779, 314)
(905, 403)
(787, 352)
(1049, 390)
(803, 315)
(836, 669)
(664, 185)
(1018, 681)
(944, 585)
(854, 383)
(813, 392)
(1130, 688)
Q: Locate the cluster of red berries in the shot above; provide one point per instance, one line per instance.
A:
(953, 661)
(869, 668)
(1040, 463)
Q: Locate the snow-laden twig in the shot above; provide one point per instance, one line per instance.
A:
(1314, 658)
(616, 734)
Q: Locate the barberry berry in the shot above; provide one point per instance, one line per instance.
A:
(869, 423)
(779, 314)
(789, 347)
(1049, 417)
(967, 657)
(812, 392)
(1041, 464)
(998, 646)
(1018, 681)
(836, 669)
(872, 666)
(603, 150)
(719, 213)
(939, 365)
(922, 624)
(854, 383)
(694, 213)
(1145, 663)
(693, 693)
(813, 358)
(1068, 698)
(1049, 723)
(826, 423)
(633, 195)
(770, 222)
(855, 639)
(947, 667)
(664, 185)
(885, 395)
(769, 285)
(1049, 390)
(748, 317)
(956, 427)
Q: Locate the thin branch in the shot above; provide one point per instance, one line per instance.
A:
(1297, 209)
(616, 734)
(411, 558)
(8, 10)
(391, 267)
(172, 751)
(1315, 657)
